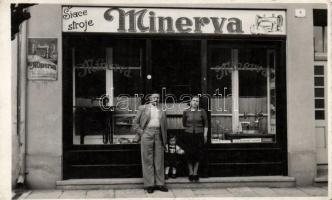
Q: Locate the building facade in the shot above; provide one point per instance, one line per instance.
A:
(260, 70)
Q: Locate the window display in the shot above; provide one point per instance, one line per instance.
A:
(106, 78)
(111, 78)
(244, 78)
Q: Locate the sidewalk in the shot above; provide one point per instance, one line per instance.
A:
(305, 192)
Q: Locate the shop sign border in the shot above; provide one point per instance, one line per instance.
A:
(144, 20)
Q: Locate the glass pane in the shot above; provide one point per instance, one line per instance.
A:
(319, 70)
(320, 114)
(176, 67)
(128, 80)
(256, 95)
(90, 122)
(89, 87)
(220, 71)
(123, 119)
(325, 39)
(319, 103)
(221, 126)
(220, 89)
(319, 81)
(91, 126)
(319, 92)
(128, 67)
(318, 39)
(94, 125)
(253, 90)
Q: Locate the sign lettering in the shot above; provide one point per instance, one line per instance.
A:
(173, 21)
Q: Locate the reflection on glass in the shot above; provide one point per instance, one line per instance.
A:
(249, 78)
(97, 71)
(220, 89)
(90, 122)
(252, 68)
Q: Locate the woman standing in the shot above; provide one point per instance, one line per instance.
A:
(196, 127)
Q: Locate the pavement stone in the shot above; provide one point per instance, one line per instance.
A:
(159, 194)
(129, 193)
(264, 192)
(24, 195)
(178, 193)
(242, 192)
(100, 194)
(289, 192)
(314, 191)
(45, 194)
(213, 192)
(182, 193)
(73, 194)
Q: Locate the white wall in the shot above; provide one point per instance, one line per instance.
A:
(44, 107)
(300, 96)
(15, 144)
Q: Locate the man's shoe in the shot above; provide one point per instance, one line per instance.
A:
(173, 176)
(150, 189)
(162, 188)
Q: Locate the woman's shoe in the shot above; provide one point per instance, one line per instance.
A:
(196, 178)
(191, 178)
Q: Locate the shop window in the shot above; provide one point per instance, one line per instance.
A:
(319, 93)
(246, 112)
(107, 83)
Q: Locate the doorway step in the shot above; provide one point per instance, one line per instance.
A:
(322, 175)
(180, 182)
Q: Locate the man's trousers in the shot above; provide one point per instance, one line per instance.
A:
(152, 153)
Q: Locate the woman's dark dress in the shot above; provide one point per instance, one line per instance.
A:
(194, 123)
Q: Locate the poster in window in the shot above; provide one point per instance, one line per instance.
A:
(42, 59)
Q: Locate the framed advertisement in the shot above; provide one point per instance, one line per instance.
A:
(42, 59)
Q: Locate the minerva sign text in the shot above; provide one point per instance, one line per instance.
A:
(162, 20)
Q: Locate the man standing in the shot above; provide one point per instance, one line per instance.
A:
(150, 123)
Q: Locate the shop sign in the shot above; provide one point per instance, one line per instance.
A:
(42, 59)
(173, 21)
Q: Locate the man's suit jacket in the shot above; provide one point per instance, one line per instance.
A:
(142, 119)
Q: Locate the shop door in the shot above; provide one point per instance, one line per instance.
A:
(98, 139)
(320, 68)
(175, 69)
(247, 86)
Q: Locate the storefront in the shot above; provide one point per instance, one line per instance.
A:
(126, 53)
(244, 62)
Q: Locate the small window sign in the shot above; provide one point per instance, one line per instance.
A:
(300, 12)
